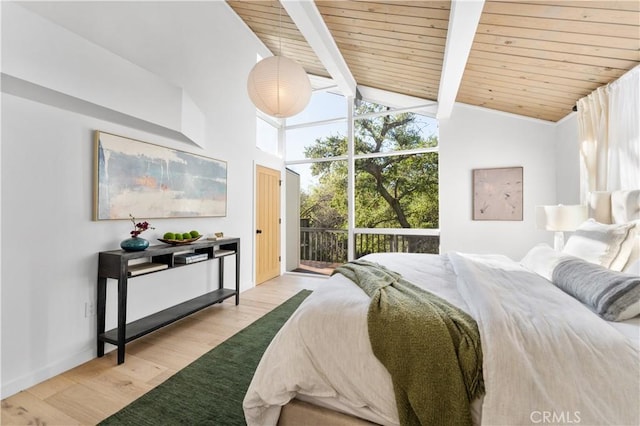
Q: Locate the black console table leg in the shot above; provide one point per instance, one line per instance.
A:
(221, 272)
(122, 316)
(101, 306)
(237, 273)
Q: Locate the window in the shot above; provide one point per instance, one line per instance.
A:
(323, 106)
(317, 141)
(266, 136)
(377, 130)
(395, 175)
(399, 191)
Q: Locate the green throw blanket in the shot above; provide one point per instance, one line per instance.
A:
(430, 348)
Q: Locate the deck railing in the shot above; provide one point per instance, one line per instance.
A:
(323, 245)
(330, 245)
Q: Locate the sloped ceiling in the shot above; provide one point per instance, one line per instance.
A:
(533, 58)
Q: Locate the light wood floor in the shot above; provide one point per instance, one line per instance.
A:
(93, 391)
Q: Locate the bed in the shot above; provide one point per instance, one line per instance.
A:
(553, 350)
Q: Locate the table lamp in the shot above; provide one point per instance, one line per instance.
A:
(560, 218)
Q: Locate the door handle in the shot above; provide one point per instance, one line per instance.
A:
(258, 231)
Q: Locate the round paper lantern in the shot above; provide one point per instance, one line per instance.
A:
(279, 87)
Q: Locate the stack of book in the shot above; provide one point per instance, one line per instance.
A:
(187, 258)
(145, 268)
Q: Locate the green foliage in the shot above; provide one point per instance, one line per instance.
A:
(391, 191)
(331, 146)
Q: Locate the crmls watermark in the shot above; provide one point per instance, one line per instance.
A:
(555, 417)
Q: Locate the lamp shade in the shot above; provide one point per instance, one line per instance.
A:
(279, 87)
(560, 217)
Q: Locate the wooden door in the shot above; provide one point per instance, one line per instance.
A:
(267, 224)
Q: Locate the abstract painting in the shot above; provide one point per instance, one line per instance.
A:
(152, 181)
(497, 194)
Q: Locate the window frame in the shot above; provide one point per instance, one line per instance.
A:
(351, 157)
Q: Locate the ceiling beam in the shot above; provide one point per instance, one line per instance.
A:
(464, 17)
(307, 18)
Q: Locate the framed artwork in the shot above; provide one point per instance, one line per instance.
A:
(497, 194)
(152, 181)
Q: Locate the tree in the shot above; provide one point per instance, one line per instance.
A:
(391, 191)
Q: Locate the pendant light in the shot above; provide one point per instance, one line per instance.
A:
(279, 86)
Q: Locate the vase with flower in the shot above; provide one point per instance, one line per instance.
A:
(136, 243)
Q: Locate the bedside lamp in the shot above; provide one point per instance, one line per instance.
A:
(560, 219)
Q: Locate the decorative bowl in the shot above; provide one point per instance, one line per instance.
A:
(134, 244)
(180, 242)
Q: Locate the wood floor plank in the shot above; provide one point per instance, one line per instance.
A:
(168, 357)
(140, 369)
(52, 386)
(196, 331)
(118, 386)
(24, 408)
(201, 332)
(162, 377)
(90, 369)
(179, 344)
(84, 404)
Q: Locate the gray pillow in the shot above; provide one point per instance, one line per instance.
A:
(615, 296)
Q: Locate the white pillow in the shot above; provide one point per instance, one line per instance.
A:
(633, 268)
(600, 243)
(542, 260)
(634, 247)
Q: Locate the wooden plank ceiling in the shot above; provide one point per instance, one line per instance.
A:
(533, 58)
(270, 22)
(538, 58)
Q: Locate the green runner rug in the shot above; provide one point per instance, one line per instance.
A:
(210, 390)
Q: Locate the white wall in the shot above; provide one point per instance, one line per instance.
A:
(76, 67)
(50, 244)
(480, 138)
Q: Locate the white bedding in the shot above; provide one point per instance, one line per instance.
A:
(544, 352)
(629, 328)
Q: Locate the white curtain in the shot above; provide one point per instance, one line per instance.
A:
(624, 132)
(609, 130)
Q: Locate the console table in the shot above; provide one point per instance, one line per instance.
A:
(115, 264)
